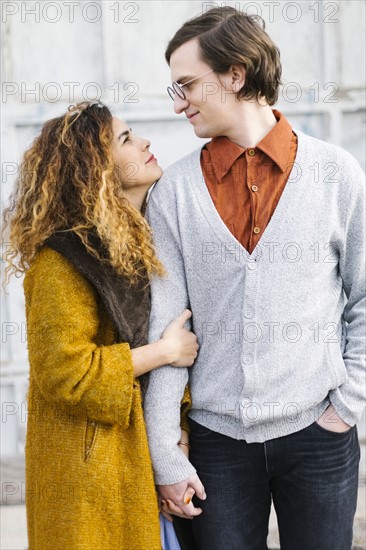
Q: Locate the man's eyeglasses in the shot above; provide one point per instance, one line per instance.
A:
(177, 89)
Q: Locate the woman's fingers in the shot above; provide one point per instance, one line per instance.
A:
(188, 495)
(165, 511)
(183, 317)
(176, 511)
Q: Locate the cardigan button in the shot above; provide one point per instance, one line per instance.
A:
(247, 359)
(249, 313)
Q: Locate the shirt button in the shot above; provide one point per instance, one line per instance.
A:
(254, 188)
(256, 230)
(251, 152)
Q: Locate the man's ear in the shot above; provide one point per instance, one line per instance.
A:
(238, 75)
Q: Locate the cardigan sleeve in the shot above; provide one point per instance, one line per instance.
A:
(349, 399)
(163, 407)
(69, 366)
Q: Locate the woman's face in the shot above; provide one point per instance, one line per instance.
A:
(137, 166)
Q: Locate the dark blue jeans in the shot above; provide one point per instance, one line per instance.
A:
(311, 475)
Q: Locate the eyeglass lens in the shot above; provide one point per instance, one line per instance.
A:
(175, 89)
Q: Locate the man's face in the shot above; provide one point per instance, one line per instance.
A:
(209, 103)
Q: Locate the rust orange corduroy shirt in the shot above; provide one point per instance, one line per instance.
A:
(246, 184)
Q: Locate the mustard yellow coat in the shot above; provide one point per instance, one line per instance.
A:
(89, 480)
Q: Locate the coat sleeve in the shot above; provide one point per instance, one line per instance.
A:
(70, 368)
(186, 404)
(169, 297)
(349, 399)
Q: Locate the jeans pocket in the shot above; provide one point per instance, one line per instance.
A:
(331, 432)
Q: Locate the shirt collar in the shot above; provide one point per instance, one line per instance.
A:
(222, 154)
(276, 145)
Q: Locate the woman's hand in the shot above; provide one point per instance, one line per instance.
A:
(181, 344)
(177, 347)
(177, 499)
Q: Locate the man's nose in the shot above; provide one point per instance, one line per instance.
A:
(180, 104)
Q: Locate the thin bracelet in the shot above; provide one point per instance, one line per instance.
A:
(184, 443)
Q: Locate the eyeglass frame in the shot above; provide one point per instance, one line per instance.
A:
(172, 90)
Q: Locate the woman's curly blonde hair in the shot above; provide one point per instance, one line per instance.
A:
(68, 182)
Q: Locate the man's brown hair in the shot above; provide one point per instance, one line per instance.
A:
(229, 37)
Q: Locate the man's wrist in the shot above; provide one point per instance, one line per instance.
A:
(330, 420)
(173, 468)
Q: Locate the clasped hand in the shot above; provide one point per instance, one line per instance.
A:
(177, 499)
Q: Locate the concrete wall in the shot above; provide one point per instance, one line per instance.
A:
(57, 53)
